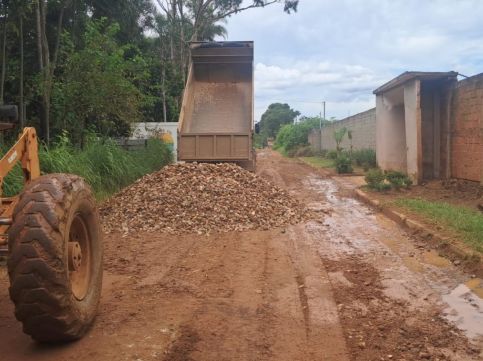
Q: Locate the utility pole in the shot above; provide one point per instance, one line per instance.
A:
(320, 114)
(320, 124)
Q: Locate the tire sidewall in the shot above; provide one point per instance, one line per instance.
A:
(84, 205)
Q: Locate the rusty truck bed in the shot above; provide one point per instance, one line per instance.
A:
(216, 120)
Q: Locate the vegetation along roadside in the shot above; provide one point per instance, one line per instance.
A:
(465, 222)
(104, 165)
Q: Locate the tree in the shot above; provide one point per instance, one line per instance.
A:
(52, 69)
(204, 13)
(47, 64)
(349, 135)
(19, 10)
(4, 14)
(293, 136)
(196, 20)
(338, 137)
(274, 117)
(99, 86)
(133, 16)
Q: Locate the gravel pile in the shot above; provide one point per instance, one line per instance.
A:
(199, 198)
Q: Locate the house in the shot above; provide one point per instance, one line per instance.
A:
(429, 125)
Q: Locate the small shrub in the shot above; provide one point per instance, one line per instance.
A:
(305, 151)
(375, 179)
(332, 154)
(380, 181)
(321, 153)
(260, 141)
(365, 158)
(343, 164)
(291, 153)
(398, 179)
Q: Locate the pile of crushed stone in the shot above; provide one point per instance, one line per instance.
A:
(200, 198)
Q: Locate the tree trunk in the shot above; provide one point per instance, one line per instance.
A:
(21, 112)
(48, 65)
(163, 82)
(45, 72)
(4, 55)
(182, 47)
(173, 27)
(39, 35)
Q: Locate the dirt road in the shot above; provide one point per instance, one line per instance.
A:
(348, 285)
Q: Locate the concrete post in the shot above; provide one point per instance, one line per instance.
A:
(412, 112)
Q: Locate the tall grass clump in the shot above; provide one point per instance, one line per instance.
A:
(102, 163)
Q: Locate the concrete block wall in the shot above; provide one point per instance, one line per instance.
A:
(467, 129)
(314, 140)
(362, 125)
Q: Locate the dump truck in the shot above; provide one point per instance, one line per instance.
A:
(52, 234)
(216, 118)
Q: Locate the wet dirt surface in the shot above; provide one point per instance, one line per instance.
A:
(347, 285)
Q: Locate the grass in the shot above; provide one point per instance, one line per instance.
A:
(464, 221)
(103, 164)
(319, 162)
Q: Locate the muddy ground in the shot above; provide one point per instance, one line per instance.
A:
(347, 285)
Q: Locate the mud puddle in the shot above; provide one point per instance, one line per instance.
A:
(465, 310)
(409, 273)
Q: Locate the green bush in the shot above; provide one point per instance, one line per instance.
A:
(260, 141)
(321, 153)
(375, 180)
(364, 158)
(304, 151)
(380, 181)
(398, 179)
(293, 136)
(102, 163)
(332, 154)
(343, 164)
(291, 153)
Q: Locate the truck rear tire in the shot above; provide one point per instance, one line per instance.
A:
(55, 258)
(250, 165)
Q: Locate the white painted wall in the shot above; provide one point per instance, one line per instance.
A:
(390, 133)
(153, 129)
(412, 111)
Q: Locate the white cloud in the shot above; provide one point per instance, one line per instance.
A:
(340, 50)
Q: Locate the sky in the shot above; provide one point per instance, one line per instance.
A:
(339, 51)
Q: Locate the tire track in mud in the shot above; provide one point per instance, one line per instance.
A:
(398, 281)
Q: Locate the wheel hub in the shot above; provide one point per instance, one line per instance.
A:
(75, 256)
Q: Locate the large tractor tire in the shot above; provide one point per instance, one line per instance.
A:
(55, 258)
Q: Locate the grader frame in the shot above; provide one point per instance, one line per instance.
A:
(24, 151)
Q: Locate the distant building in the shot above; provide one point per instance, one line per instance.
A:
(167, 131)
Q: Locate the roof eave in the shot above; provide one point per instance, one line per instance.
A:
(409, 75)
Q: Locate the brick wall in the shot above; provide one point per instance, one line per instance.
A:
(362, 125)
(467, 129)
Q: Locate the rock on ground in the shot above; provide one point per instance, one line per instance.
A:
(200, 198)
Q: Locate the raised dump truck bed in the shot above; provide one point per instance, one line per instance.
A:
(216, 119)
